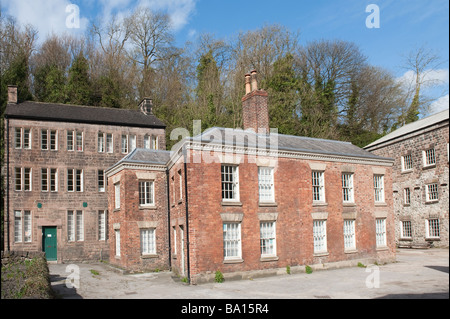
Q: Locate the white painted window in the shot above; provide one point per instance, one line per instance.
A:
(117, 196)
(117, 233)
(320, 236)
(230, 183)
(174, 240)
(347, 188)
(148, 242)
(132, 142)
(380, 231)
(147, 142)
(349, 234)
(432, 192)
(407, 196)
(74, 180)
(378, 184)
(429, 157)
(146, 193)
(266, 184)
(405, 229)
(18, 138)
(124, 144)
(18, 178)
(432, 227)
(109, 143)
(22, 226)
(268, 239)
(180, 179)
(79, 141)
(101, 180)
(407, 163)
(102, 218)
(232, 240)
(27, 177)
(22, 138)
(75, 225)
(318, 185)
(22, 179)
(100, 142)
(75, 141)
(154, 142)
(49, 179)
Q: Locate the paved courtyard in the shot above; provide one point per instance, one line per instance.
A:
(416, 274)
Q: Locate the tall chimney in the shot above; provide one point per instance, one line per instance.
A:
(12, 94)
(255, 109)
(146, 106)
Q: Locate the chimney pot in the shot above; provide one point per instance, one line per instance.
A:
(254, 80)
(146, 106)
(248, 87)
(12, 94)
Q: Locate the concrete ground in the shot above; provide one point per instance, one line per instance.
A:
(420, 274)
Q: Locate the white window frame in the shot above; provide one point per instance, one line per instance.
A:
(429, 157)
(146, 193)
(101, 143)
(380, 232)
(18, 140)
(268, 239)
(266, 185)
(147, 143)
(23, 226)
(407, 163)
(75, 226)
(117, 241)
(230, 193)
(432, 192)
(320, 236)
(101, 181)
(406, 229)
(102, 224)
(76, 183)
(407, 196)
(75, 141)
(20, 177)
(117, 196)
(378, 186)
(148, 241)
(232, 242)
(433, 228)
(109, 143)
(347, 188)
(349, 235)
(318, 186)
(180, 178)
(124, 144)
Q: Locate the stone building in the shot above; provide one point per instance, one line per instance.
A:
(55, 161)
(420, 175)
(250, 202)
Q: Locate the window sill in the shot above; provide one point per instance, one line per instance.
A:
(148, 207)
(432, 239)
(268, 204)
(233, 261)
(321, 254)
(318, 204)
(430, 202)
(429, 166)
(381, 204)
(149, 256)
(180, 201)
(408, 171)
(405, 239)
(382, 248)
(351, 251)
(268, 258)
(349, 204)
(231, 203)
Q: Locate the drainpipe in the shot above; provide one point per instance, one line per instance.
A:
(7, 185)
(187, 215)
(168, 218)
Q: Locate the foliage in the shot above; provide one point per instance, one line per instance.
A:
(219, 277)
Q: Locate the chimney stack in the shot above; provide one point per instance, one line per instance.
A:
(146, 106)
(12, 94)
(255, 108)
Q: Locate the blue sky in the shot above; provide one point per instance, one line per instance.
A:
(404, 24)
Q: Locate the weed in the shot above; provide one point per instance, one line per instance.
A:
(94, 272)
(288, 269)
(219, 277)
(308, 269)
(361, 265)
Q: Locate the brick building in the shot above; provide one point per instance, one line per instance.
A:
(248, 202)
(420, 175)
(55, 162)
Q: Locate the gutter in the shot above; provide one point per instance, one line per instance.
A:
(168, 218)
(187, 216)
(7, 186)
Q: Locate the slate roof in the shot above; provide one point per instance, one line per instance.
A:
(81, 114)
(146, 156)
(412, 127)
(235, 137)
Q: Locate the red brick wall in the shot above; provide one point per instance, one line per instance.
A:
(294, 226)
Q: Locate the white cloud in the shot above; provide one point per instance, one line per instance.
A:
(179, 11)
(46, 16)
(439, 105)
(436, 77)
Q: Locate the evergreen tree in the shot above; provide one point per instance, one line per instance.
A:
(79, 88)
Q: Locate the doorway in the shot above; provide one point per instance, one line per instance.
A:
(49, 243)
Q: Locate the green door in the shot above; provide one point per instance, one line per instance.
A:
(49, 242)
